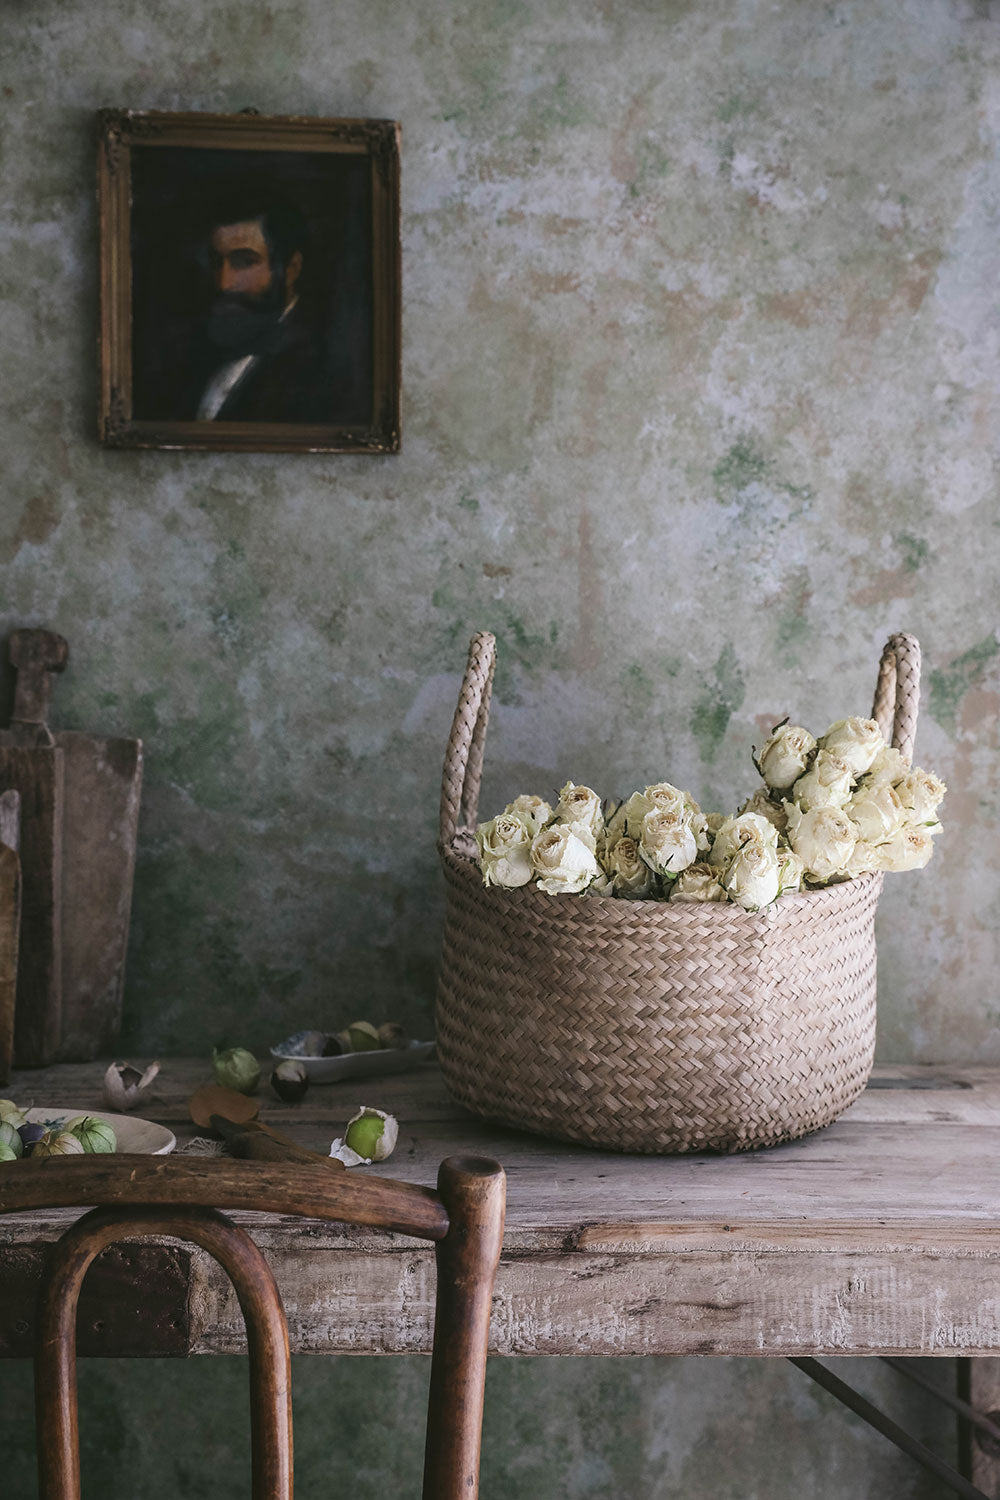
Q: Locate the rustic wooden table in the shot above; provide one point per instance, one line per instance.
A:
(877, 1236)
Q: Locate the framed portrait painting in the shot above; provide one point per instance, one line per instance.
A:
(250, 282)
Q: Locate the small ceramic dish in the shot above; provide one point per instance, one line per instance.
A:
(359, 1064)
(133, 1136)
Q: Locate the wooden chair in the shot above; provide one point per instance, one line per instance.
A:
(154, 1196)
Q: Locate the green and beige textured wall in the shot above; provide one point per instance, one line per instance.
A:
(701, 389)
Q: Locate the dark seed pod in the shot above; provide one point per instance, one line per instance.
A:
(30, 1135)
(290, 1081)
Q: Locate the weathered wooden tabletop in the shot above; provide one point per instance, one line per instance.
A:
(879, 1235)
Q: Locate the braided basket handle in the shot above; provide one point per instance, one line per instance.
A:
(463, 759)
(897, 696)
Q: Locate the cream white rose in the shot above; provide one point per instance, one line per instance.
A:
(790, 871)
(827, 783)
(767, 807)
(889, 765)
(616, 826)
(699, 882)
(699, 827)
(752, 877)
(667, 843)
(579, 804)
(785, 756)
(504, 851)
(824, 839)
(877, 811)
(735, 833)
(909, 849)
(921, 794)
(563, 862)
(863, 860)
(855, 740)
(660, 797)
(628, 871)
(534, 812)
(713, 822)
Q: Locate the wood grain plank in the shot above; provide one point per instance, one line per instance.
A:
(103, 780)
(135, 1298)
(37, 774)
(10, 819)
(10, 929)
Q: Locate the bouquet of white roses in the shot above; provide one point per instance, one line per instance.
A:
(830, 809)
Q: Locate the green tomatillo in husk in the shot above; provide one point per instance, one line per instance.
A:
(10, 1138)
(61, 1143)
(10, 1112)
(372, 1134)
(7, 1153)
(94, 1134)
(236, 1068)
(363, 1037)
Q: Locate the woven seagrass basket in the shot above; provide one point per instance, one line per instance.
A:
(646, 1026)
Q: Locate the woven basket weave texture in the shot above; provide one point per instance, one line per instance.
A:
(645, 1026)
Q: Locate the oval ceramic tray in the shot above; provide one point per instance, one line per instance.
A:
(359, 1064)
(134, 1136)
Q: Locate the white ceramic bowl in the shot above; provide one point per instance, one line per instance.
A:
(359, 1064)
(132, 1135)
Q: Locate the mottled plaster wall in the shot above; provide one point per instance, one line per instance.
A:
(701, 383)
(701, 380)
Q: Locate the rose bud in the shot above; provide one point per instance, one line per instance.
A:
(857, 741)
(785, 756)
(290, 1081)
(504, 849)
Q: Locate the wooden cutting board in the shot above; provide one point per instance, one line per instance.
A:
(10, 923)
(79, 820)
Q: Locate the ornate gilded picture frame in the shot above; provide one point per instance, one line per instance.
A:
(250, 282)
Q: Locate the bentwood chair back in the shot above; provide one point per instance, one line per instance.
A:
(141, 1196)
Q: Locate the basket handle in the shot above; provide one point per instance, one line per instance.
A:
(463, 759)
(897, 695)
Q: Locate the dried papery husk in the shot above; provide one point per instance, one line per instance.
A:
(61, 1143)
(125, 1085)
